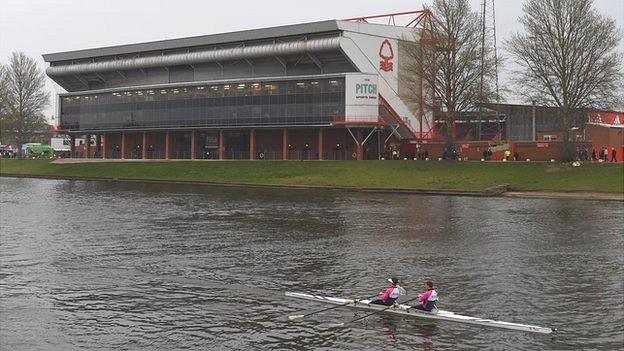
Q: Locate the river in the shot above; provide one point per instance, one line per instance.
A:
(106, 265)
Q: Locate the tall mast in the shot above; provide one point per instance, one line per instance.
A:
(488, 52)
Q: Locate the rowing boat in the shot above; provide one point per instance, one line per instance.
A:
(406, 310)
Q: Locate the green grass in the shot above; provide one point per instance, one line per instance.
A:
(555, 177)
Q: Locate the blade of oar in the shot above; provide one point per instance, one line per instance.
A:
(367, 315)
(298, 316)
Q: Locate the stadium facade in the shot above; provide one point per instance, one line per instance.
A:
(323, 90)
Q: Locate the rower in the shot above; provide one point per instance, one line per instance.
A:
(390, 295)
(427, 301)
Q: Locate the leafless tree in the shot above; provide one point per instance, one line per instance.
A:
(567, 58)
(22, 99)
(452, 63)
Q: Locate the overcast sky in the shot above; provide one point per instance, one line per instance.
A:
(46, 26)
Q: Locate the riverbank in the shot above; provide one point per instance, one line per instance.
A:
(452, 178)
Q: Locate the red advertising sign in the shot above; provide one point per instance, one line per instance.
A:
(542, 144)
(615, 119)
(387, 54)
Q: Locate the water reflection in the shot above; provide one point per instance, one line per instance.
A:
(148, 266)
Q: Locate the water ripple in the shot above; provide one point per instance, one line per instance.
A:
(99, 265)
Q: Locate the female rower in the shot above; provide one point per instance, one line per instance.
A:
(428, 300)
(391, 294)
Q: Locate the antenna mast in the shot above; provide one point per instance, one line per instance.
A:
(488, 52)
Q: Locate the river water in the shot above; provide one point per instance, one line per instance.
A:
(102, 265)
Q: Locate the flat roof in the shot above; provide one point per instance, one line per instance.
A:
(494, 106)
(203, 40)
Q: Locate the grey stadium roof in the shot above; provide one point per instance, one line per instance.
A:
(203, 40)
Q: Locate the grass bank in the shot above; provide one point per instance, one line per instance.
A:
(434, 175)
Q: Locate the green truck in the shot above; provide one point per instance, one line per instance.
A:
(37, 150)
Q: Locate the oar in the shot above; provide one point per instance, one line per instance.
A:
(298, 316)
(367, 315)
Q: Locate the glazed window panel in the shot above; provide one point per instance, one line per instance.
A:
(300, 102)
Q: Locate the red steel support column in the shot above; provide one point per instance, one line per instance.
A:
(144, 146)
(285, 144)
(104, 146)
(320, 144)
(221, 145)
(98, 145)
(252, 144)
(359, 146)
(167, 145)
(123, 145)
(72, 146)
(88, 145)
(193, 147)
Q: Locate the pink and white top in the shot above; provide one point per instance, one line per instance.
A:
(392, 292)
(430, 295)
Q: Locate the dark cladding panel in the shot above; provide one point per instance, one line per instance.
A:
(179, 74)
(208, 71)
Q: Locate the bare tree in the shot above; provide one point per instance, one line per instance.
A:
(451, 61)
(22, 99)
(567, 58)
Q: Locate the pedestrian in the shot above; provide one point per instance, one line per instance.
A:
(578, 153)
(613, 155)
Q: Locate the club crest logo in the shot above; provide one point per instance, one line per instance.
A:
(387, 54)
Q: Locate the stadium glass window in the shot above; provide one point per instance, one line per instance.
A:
(309, 101)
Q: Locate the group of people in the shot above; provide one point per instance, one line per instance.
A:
(451, 154)
(392, 153)
(603, 154)
(427, 301)
(487, 154)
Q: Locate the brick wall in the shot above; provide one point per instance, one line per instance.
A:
(602, 136)
(472, 150)
(543, 150)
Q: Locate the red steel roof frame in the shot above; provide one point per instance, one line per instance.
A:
(430, 26)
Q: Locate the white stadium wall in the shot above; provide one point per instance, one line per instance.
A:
(380, 55)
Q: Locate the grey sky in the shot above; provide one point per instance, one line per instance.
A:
(46, 26)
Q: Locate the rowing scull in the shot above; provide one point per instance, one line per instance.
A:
(405, 310)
